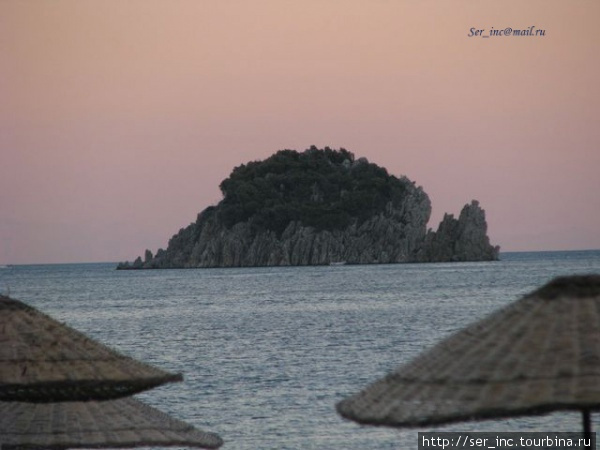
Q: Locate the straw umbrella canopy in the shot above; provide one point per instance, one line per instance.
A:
(537, 355)
(42, 360)
(115, 423)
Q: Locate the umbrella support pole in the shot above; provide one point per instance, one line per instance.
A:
(587, 425)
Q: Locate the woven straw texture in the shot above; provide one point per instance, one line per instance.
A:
(539, 354)
(42, 360)
(114, 423)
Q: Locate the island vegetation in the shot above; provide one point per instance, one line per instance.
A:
(325, 189)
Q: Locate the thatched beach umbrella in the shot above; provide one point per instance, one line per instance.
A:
(113, 423)
(537, 355)
(42, 360)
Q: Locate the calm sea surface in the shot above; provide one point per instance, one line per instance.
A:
(267, 352)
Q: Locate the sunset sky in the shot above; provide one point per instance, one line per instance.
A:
(119, 119)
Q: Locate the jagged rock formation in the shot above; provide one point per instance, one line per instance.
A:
(464, 239)
(320, 207)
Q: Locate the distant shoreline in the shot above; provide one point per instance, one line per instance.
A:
(113, 263)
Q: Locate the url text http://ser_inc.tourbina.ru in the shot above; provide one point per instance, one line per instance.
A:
(505, 440)
(530, 31)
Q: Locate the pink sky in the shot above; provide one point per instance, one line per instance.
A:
(119, 119)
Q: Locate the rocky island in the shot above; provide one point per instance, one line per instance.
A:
(319, 207)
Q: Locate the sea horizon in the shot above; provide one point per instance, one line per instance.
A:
(307, 265)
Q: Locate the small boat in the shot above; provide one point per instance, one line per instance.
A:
(337, 263)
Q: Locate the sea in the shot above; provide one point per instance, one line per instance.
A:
(266, 353)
